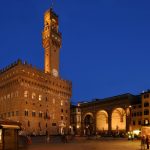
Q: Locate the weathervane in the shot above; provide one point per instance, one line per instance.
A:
(52, 4)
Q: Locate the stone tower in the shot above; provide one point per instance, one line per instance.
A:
(51, 43)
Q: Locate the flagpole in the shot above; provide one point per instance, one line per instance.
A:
(52, 4)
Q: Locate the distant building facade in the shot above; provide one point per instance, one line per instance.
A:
(40, 100)
(114, 115)
(75, 119)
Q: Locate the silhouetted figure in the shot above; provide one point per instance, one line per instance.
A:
(143, 141)
(147, 142)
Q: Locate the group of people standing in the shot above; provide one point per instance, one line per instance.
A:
(145, 140)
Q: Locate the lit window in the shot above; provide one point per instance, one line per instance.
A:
(146, 121)
(33, 95)
(61, 103)
(26, 94)
(40, 97)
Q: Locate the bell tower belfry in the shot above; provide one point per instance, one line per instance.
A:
(51, 40)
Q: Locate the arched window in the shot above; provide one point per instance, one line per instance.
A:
(26, 94)
(33, 95)
(33, 113)
(40, 97)
(26, 112)
(61, 103)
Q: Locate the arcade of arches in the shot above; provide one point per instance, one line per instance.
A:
(104, 121)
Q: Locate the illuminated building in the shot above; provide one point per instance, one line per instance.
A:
(114, 115)
(75, 118)
(39, 99)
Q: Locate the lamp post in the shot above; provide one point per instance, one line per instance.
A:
(130, 119)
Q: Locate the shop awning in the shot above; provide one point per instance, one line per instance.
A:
(10, 126)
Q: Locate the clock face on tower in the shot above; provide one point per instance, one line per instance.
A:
(55, 73)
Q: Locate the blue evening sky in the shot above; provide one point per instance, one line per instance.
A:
(106, 43)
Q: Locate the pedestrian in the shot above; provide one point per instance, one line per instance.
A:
(147, 142)
(47, 139)
(132, 136)
(143, 142)
(29, 141)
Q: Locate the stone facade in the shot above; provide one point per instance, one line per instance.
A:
(40, 100)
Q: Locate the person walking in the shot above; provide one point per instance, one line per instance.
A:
(143, 142)
(48, 139)
(147, 142)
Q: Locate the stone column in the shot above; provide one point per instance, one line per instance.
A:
(109, 122)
